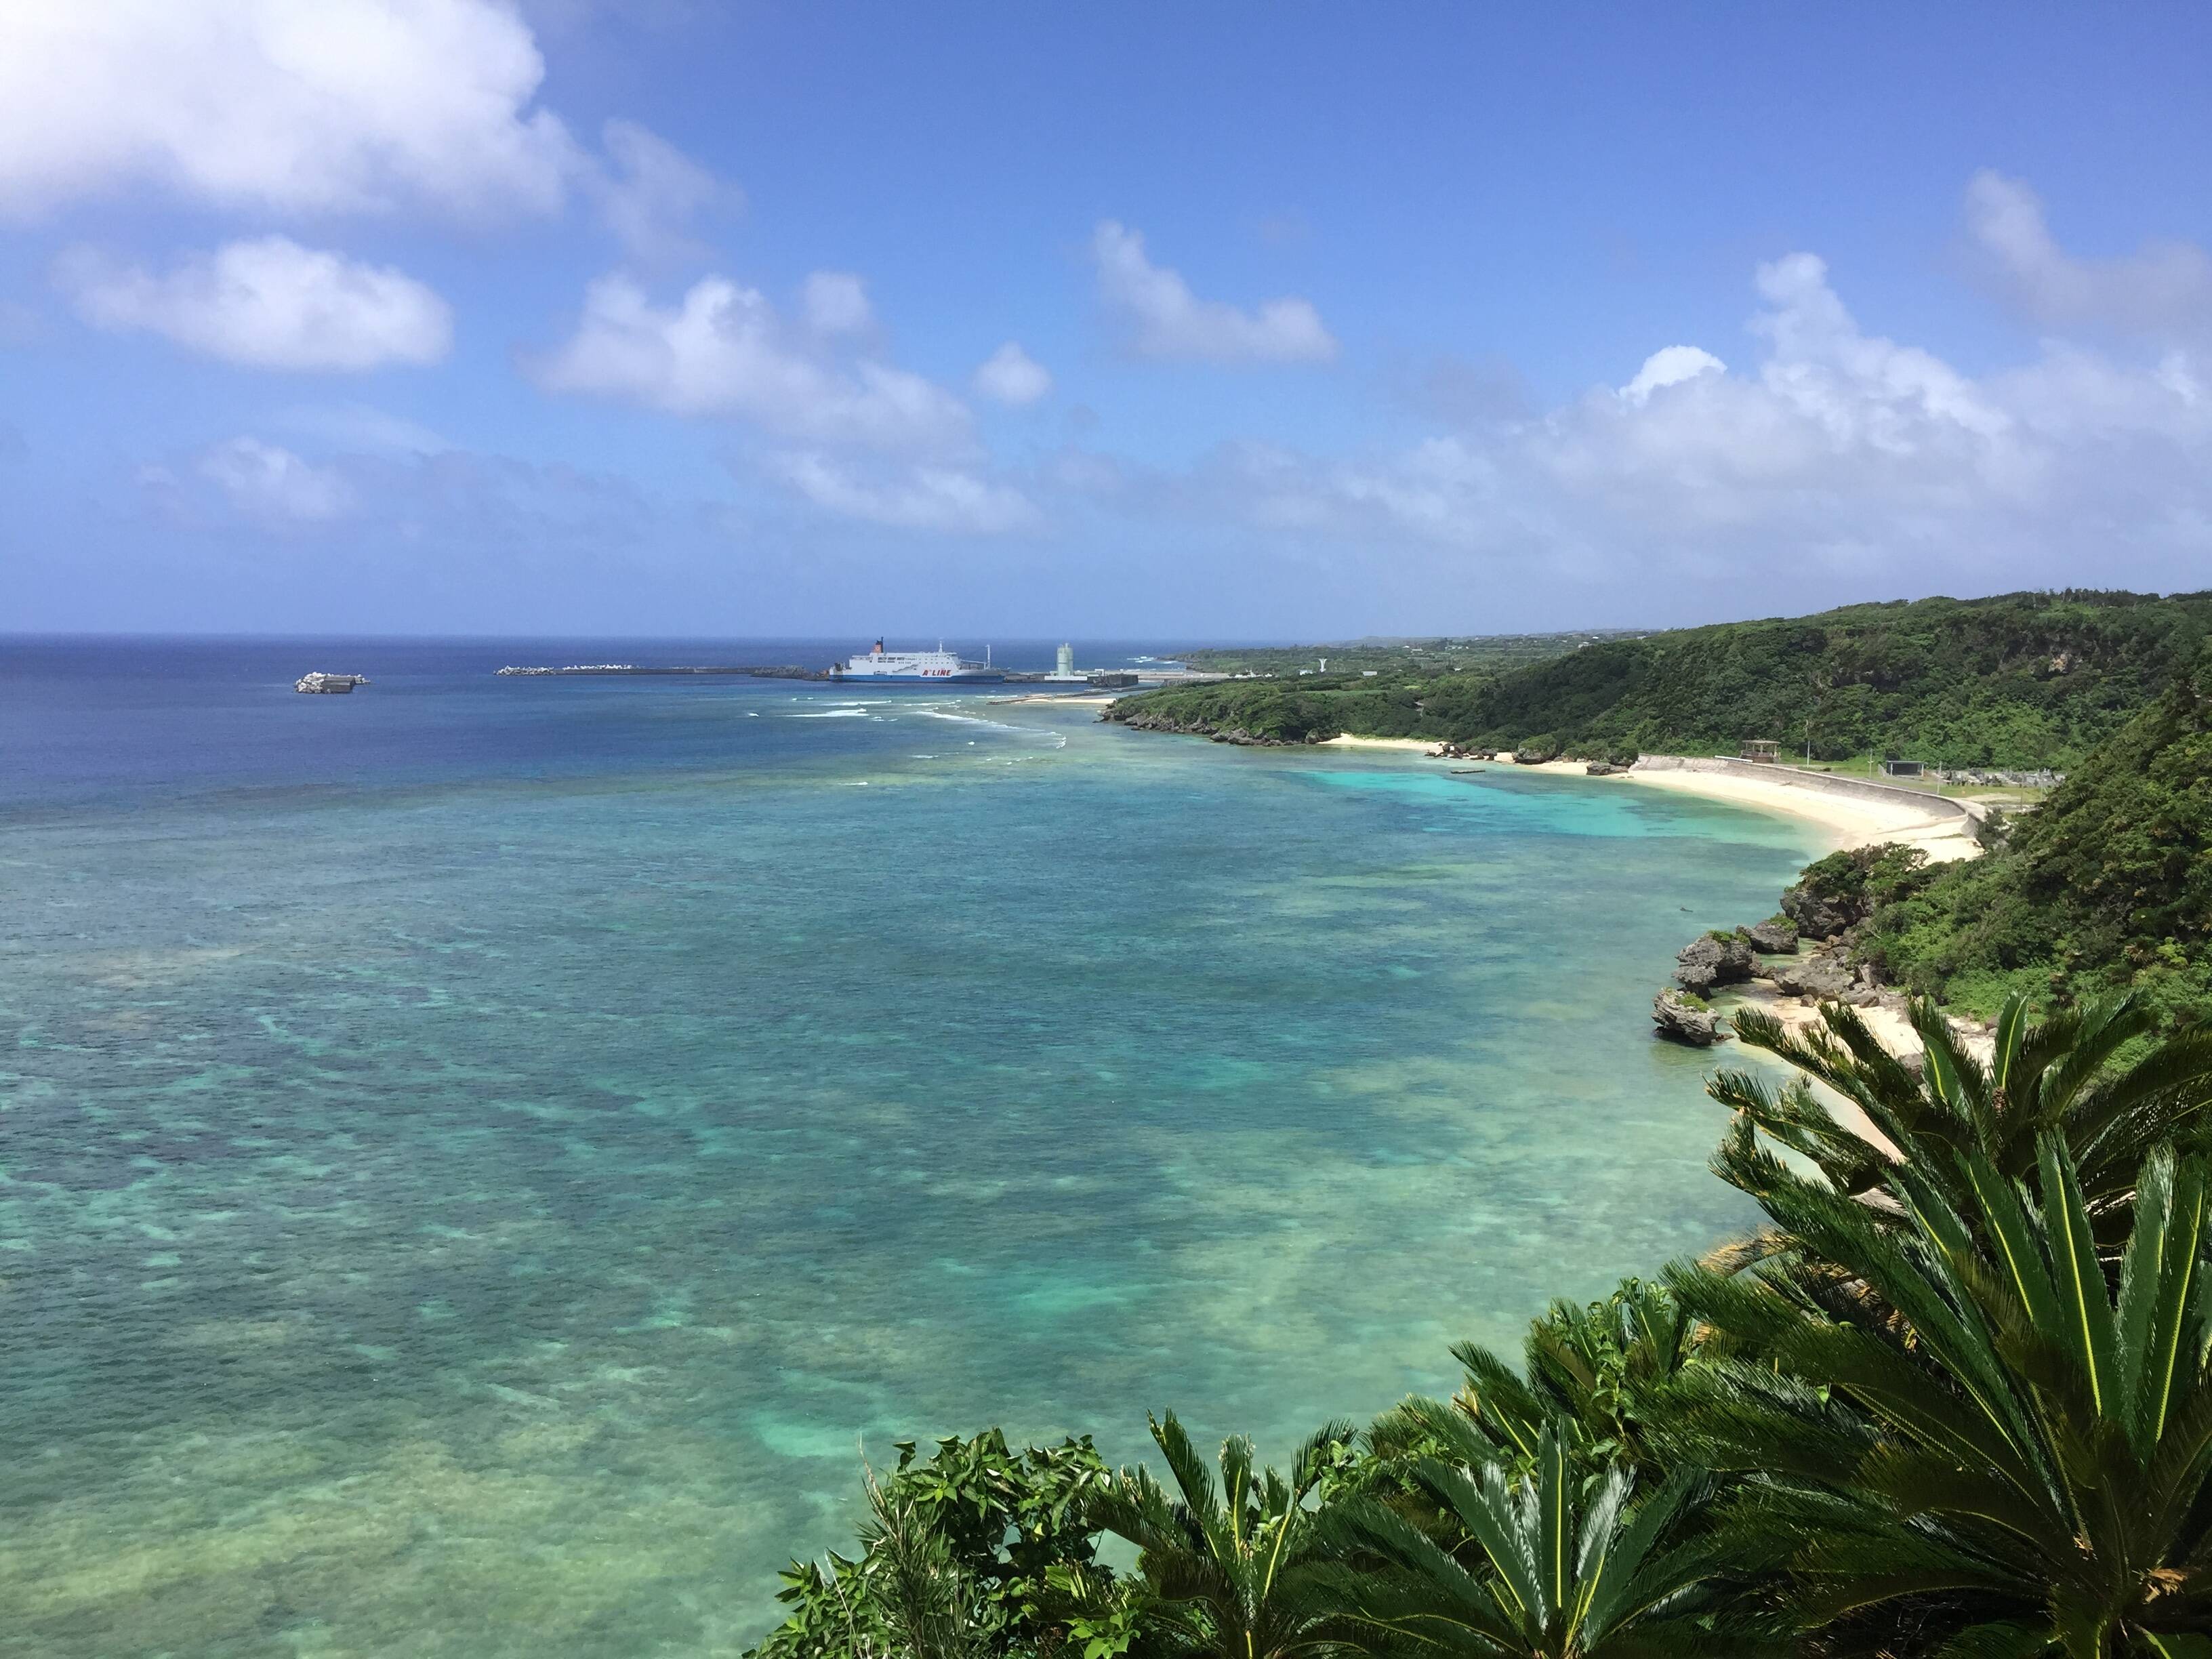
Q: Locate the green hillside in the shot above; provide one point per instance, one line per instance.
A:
(1350, 659)
(2019, 680)
(2107, 885)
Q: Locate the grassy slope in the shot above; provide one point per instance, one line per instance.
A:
(1397, 658)
(2019, 680)
(2109, 883)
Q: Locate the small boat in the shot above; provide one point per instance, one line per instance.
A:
(329, 683)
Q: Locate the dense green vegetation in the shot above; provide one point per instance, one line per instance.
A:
(2021, 680)
(2107, 884)
(1423, 657)
(1952, 1400)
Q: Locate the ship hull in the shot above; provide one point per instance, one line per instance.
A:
(851, 678)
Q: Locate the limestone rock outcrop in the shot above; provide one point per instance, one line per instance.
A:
(1815, 917)
(1680, 1019)
(1706, 961)
(1772, 938)
(1820, 976)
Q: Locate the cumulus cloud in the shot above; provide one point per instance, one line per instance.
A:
(1670, 366)
(274, 486)
(1836, 450)
(1011, 376)
(1167, 321)
(363, 428)
(836, 302)
(650, 192)
(269, 303)
(724, 350)
(344, 106)
(2163, 290)
(945, 499)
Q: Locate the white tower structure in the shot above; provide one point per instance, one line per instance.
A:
(1067, 661)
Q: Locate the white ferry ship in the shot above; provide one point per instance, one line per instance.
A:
(916, 667)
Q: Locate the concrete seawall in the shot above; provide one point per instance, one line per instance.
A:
(1790, 777)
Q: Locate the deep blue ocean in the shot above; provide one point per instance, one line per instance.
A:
(483, 1158)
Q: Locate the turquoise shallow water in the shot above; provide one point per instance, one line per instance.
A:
(482, 1157)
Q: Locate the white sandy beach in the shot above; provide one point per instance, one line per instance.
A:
(1944, 835)
(1852, 821)
(1418, 745)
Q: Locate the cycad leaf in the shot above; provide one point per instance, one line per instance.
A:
(2019, 1249)
(2166, 1345)
(1607, 1595)
(1486, 1508)
(2084, 1305)
(2142, 1277)
(1598, 1522)
(2004, 1049)
(1555, 1516)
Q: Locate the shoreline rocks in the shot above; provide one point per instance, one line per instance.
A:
(1772, 939)
(1139, 721)
(1814, 916)
(1680, 1018)
(1710, 960)
(1820, 977)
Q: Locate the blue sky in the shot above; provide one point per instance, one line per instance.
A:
(445, 316)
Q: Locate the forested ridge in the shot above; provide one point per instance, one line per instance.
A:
(1425, 656)
(2018, 680)
(2106, 885)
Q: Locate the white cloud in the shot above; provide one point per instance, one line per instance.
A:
(1837, 450)
(2164, 290)
(360, 426)
(1168, 321)
(1011, 376)
(836, 302)
(269, 304)
(724, 351)
(649, 192)
(1670, 366)
(275, 486)
(342, 105)
(946, 500)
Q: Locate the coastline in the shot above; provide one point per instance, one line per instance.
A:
(1944, 835)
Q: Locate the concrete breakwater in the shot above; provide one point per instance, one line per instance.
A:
(1821, 782)
(754, 671)
(793, 671)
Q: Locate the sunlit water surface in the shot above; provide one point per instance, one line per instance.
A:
(482, 1157)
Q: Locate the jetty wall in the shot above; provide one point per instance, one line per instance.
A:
(1823, 782)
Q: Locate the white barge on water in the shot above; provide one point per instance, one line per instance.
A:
(938, 667)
